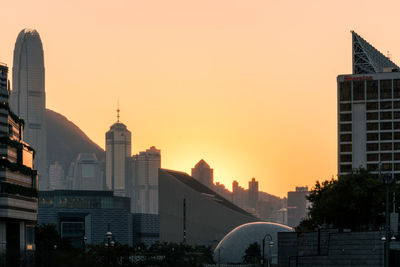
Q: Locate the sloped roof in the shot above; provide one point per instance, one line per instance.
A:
(366, 58)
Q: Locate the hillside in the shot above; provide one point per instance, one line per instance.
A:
(65, 140)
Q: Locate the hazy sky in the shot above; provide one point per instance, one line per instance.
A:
(249, 86)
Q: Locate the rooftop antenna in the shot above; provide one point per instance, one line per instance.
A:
(118, 111)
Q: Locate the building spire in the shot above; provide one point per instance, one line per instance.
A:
(118, 111)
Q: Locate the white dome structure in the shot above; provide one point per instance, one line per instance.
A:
(232, 247)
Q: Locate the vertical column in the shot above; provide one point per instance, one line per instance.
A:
(359, 136)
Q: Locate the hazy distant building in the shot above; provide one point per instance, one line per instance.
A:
(87, 173)
(203, 173)
(28, 98)
(253, 193)
(239, 195)
(18, 184)
(369, 112)
(143, 181)
(56, 176)
(118, 149)
(297, 205)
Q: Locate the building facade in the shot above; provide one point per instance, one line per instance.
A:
(118, 150)
(297, 205)
(79, 213)
(87, 173)
(28, 96)
(369, 113)
(18, 184)
(143, 181)
(253, 193)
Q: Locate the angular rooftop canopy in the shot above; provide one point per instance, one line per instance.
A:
(367, 59)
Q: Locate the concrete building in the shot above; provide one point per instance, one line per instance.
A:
(253, 193)
(146, 228)
(203, 173)
(28, 96)
(87, 173)
(18, 184)
(56, 176)
(118, 150)
(192, 213)
(79, 213)
(142, 181)
(297, 205)
(369, 112)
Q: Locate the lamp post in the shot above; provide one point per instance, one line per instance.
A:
(270, 244)
(109, 243)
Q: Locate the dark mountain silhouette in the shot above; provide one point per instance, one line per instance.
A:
(65, 141)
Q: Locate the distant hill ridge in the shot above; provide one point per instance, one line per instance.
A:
(65, 141)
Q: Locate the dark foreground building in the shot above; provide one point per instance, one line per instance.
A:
(90, 214)
(192, 213)
(18, 184)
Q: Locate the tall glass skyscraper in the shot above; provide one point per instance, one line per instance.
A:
(28, 98)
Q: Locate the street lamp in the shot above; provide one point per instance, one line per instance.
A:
(270, 245)
(110, 243)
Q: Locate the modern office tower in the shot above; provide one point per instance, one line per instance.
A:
(118, 149)
(28, 97)
(297, 205)
(253, 193)
(87, 173)
(203, 173)
(56, 176)
(239, 195)
(369, 113)
(18, 184)
(143, 181)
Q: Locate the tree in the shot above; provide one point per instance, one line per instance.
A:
(355, 201)
(252, 253)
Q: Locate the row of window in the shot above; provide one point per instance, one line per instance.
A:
(373, 147)
(373, 157)
(369, 90)
(344, 107)
(372, 126)
(386, 136)
(374, 167)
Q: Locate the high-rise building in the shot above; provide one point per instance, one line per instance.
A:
(297, 205)
(87, 173)
(203, 173)
(56, 176)
(239, 195)
(143, 181)
(28, 97)
(253, 193)
(18, 184)
(369, 112)
(118, 149)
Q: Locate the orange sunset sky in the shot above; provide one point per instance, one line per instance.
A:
(249, 86)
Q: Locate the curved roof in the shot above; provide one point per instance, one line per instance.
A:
(232, 247)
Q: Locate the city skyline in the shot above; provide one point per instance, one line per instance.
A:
(250, 89)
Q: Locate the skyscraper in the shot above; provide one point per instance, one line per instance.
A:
(118, 149)
(253, 193)
(369, 112)
(203, 173)
(28, 98)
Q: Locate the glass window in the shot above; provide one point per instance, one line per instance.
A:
(373, 105)
(386, 115)
(372, 116)
(396, 104)
(386, 89)
(372, 90)
(396, 156)
(386, 167)
(345, 137)
(396, 135)
(372, 126)
(386, 157)
(345, 127)
(358, 90)
(372, 147)
(372, 167)
(345, 158)
(372, 157)
(345, 107)
(397, 166)
(372, 137)
(386, 146)
(386, 105)
(396, 114)
(345, 148)
(396, 146)
(345, 168)
(345, 117)
(396, 88)
(345, 91)
(396, 125)
(386, 125)
(386, 136)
